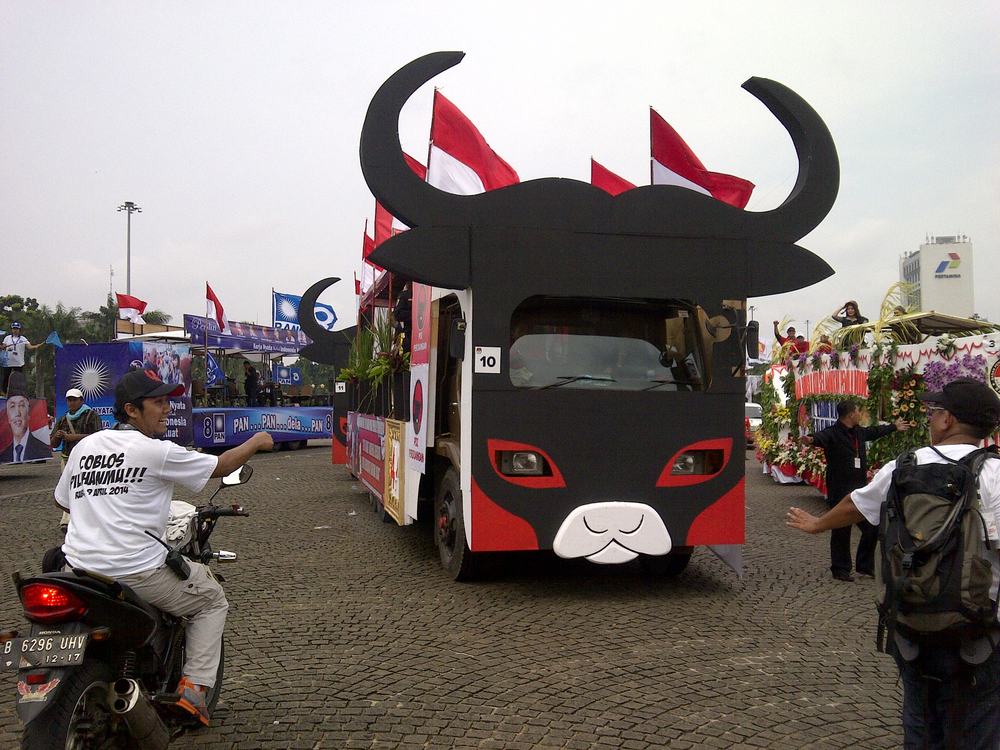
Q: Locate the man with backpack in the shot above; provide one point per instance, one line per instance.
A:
(938, 510)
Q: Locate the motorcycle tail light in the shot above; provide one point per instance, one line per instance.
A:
(46, 602)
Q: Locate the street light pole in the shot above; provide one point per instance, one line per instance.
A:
(129, 208)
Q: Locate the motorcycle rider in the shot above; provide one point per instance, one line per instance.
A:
(117, 485)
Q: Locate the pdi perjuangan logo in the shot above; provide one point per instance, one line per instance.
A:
(949, 265)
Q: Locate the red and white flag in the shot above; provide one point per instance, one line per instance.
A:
(214, 309)
(606, 180)
(131, 308)
(461, 161)
(674, 163)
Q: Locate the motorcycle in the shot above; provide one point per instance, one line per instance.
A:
(99, 667)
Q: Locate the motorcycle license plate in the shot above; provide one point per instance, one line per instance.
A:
(49, 648)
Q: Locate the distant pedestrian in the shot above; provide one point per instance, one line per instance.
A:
(73, 426)
(15, 345)
(251, 383)
(846, 470)
(851, 315)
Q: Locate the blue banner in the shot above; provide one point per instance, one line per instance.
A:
(213, 373)
(96, 368)
(285, 312)
(245, 337)
(283, 375)
(225, 427)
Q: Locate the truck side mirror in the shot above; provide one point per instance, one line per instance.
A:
(456, 339)
(753, 339)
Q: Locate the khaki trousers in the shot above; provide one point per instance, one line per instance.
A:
(199, 598)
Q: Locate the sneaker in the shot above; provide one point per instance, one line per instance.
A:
(192, 699)
(842, 576)
(866, 573)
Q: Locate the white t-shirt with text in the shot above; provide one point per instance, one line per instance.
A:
(118, 484)
(15, 349)
(869, 498)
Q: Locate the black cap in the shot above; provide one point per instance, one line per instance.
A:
(143, 384)
(969, 401)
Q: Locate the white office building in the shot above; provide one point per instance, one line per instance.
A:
(939, 276)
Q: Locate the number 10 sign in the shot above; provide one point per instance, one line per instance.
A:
(487, 359)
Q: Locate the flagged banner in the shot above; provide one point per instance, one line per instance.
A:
(53, 338)
(131, 309)
(674, 163)
(461, 161)
(213, 373)
(214, 309)
(606, 180)
(285, 312)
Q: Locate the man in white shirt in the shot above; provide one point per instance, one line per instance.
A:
(117, 485)
(951, 690)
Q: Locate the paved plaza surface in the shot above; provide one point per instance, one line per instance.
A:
(344, 633)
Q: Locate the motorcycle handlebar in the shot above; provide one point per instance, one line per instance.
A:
(236, 510)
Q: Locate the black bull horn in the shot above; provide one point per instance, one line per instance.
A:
(328, 347)
(661, 210)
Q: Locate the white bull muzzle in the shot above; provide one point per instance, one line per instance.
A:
(612, 532)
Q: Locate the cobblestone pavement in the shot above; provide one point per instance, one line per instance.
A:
(344, 633)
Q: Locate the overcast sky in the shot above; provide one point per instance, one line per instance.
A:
(235, 126)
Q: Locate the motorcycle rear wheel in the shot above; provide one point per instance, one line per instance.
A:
(80, 717)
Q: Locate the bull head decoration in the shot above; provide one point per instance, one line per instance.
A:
(760, 242)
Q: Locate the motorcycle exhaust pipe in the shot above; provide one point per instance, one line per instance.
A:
(144, 724)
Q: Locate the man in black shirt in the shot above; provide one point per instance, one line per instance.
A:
(847, 470)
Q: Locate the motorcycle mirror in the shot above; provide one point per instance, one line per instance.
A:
(240, 476)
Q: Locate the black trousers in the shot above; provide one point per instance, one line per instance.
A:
(840, 548)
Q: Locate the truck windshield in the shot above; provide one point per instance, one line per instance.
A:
(607, 344)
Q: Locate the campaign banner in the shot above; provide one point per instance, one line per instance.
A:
(221, 427)
(96, 369)
(353, 443)
(285, 312)
(24, 430)
(394, 472)
(244, 337)
(371, 434)
(283, 375)
(421, 324)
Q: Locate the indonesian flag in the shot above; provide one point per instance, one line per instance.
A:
(606, 180)
(387, 225)
(131, 308)
(214, 309)
(461, 161)
(675, 164)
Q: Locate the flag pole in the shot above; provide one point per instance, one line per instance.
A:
(650, 145)
(205, 333)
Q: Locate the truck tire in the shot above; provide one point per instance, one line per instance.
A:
(666, 566)
(80, 715)
(449, 529)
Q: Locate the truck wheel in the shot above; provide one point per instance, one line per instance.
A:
(449, 529)
(666, 566)
(79, 715)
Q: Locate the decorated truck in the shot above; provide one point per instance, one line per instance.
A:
(885, 366)
(575, 375)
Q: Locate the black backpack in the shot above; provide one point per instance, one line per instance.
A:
(934, 574)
